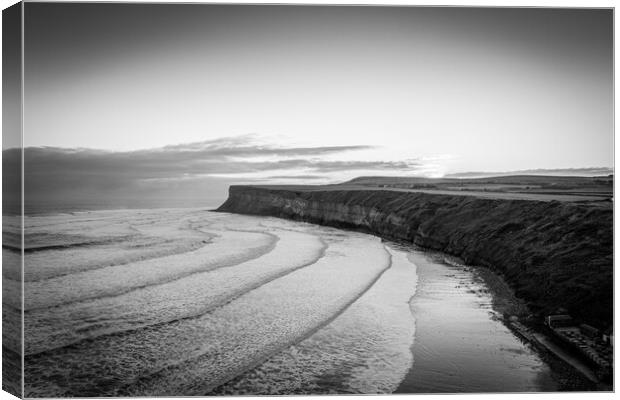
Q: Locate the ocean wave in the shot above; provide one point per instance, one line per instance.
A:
(56, 263)
(365, 350)
(192, 356)
(114, 280)
(186, 297)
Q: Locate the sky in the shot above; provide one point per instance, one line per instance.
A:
(136, 95)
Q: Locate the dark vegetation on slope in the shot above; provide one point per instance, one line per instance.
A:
(553, 254)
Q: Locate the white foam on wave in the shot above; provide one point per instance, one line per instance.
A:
(115, 280)
(365, 350)
(186, 297)
(192, 356)
(109, 242)
(58, 262)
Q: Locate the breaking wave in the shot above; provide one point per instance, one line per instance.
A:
(261, 301)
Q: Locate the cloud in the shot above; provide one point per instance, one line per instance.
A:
(294, 177)
(244, 146)
(195, 174)
(213, 158)
(192, 169)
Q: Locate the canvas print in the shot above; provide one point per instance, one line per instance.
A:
(234, 199)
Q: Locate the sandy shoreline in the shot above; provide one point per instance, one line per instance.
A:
(462, 344)
(495, 297)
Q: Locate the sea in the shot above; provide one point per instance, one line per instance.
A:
(181, 302)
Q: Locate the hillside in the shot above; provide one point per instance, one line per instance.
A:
(554, 254)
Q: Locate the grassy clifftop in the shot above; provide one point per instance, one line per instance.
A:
(553, 254)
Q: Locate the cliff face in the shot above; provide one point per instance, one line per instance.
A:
(553, 254)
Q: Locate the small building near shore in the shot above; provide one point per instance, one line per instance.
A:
(559, 321)
(589, 331)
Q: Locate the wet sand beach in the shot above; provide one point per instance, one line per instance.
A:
(461, 344)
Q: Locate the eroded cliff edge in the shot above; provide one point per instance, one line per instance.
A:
(553, 254)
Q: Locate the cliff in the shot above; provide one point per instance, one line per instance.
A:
(553, 254)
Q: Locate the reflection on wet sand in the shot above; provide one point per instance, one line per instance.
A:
(460, 344)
